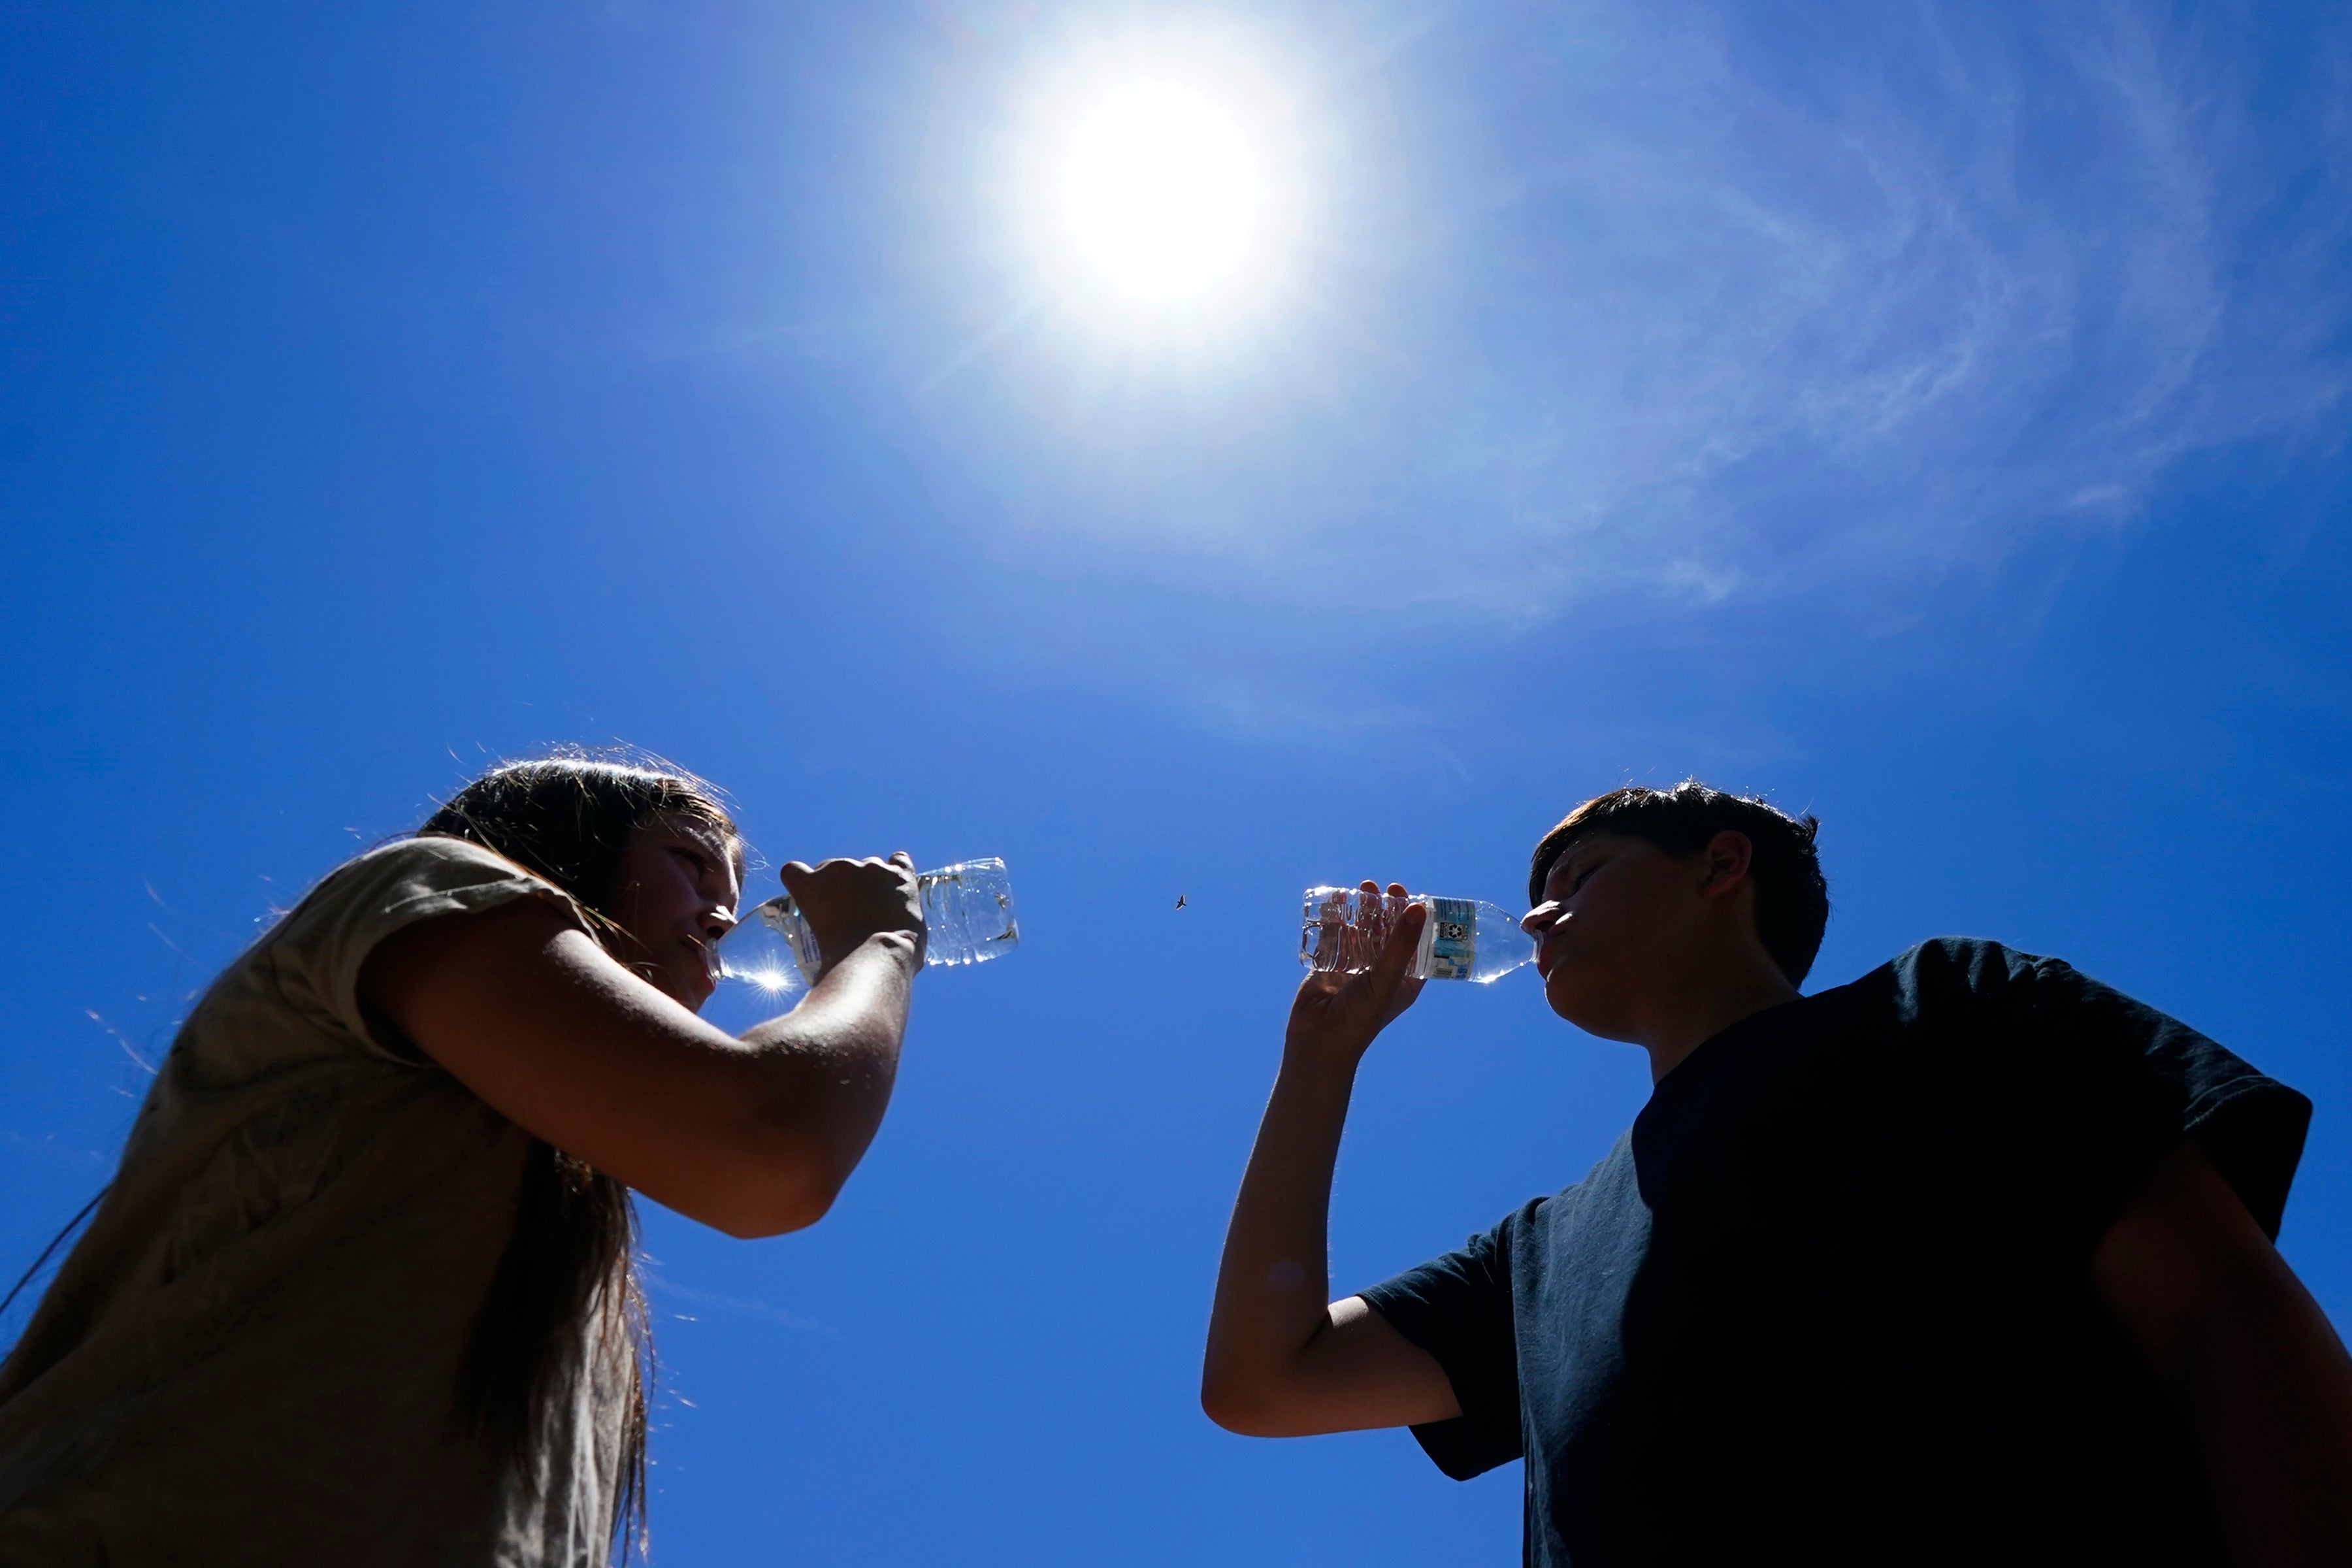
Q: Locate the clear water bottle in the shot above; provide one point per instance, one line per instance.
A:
(771, 954)
(1463, 939)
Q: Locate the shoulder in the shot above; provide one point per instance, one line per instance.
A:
(1601, 1202)
(1970, 962)
(311, 960)
(1599, 1185)
(2110, 1071)
(408, 867)
(1958, 969)
(1490, 1251)
(1947, 973)
(397, 884)
(1961, 981)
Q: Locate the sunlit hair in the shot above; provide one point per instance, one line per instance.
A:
(570, 1270)
(1793, 897)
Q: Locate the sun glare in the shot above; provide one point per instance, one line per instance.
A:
(1161, 191)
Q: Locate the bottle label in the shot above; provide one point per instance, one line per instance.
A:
(1453, 938)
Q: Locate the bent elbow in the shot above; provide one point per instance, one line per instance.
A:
(1234, 1409)
(759, 1226)
(768, 1189)
(1224, 1414)
(777, 1206)
(784, 1174)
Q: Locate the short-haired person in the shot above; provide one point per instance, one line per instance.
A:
(1968, 1260)
(361, 1291)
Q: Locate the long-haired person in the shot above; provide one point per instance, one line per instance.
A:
(360, 1292)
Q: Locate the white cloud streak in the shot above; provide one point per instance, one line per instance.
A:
(1623, 298)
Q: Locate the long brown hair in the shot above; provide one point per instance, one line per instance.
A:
(571, 1267)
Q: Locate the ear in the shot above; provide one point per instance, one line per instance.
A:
(1725, 859)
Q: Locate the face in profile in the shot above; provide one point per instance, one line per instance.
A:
(1619, 917)
(676, 894)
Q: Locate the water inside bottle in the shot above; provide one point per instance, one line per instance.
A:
(1342, 931)
(967, 912)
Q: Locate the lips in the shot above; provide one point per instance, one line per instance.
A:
(706, 967)
(1548, 954)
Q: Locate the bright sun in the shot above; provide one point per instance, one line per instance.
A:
(1161, 192)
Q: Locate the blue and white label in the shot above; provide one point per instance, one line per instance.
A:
(1453, 940)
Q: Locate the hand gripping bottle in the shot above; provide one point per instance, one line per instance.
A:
(967, 919)
(1463, 939)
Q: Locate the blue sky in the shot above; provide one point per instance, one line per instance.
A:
(1931, 416)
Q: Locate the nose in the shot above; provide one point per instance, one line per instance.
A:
(1537, 921)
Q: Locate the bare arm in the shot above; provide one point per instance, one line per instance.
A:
(1281, 1363)
(2247, 1354)
(753, 1136)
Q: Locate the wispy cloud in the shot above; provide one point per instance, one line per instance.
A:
(670, 1295)
(1618, 296)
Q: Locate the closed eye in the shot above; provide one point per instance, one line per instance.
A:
(702, 866)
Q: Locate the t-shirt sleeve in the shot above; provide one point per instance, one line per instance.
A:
(2158, 1081)
(318, 950)
(2102, 1087)
(1458, 1309)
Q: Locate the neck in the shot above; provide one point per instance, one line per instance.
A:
(1699, 1012)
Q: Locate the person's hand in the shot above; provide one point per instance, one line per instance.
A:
(1336, 1017)
(845, 901)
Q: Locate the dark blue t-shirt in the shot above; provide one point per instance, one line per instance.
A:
(1830, 1299)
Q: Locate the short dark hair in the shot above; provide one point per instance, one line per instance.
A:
(1793, 897)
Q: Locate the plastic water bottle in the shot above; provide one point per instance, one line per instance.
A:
(1463, 939)
(771, 954)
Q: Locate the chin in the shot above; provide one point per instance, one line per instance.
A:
(1559, 992)
(1573, 1014)
(1575, 1007)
